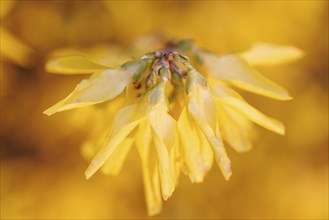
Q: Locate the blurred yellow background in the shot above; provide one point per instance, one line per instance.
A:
(41, 163)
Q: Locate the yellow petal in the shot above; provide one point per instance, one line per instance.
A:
(217, 146)
(144, 138)
(115, 162)
(233, 100)
(6, 7)
(125, 121)
(233, 69)
(203, 109)
(109, 55)
(163, 125)
(232, 128)
(175, 159)
(152, 189)
(270, 54)
(163, 131)
(100, 87)
(73, 65)
(98, 131)
(156, 206)
(197, 166)
(200, 100)
(150, 170)
(14, 49)
(206, 151)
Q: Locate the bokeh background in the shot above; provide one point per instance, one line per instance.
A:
(41, 162)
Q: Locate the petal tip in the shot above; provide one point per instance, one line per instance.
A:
(227, 173)
(278, 128)
(49, 112)
(87, 177)
(154, 211)
(91, 170)
(228, 176)
(282, 131)
(88, 174)
(166, 196)
(287, 97)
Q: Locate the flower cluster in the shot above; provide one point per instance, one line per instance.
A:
(176, 116)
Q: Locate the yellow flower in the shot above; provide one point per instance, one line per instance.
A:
(176, 117)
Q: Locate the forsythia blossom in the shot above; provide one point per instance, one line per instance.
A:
(175, 114)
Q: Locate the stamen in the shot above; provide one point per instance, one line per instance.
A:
(171, 60)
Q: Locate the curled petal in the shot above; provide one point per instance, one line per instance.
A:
(203, 110)
(150, 169)
(176, 162)
(232, 126)
(100, 87)
(73, 65)
(270, 54)
(115, 162)
(125, 121)
(190, 148)
(236, 71)
(217, 145)
(163, 130)
(231, 99)
(144, 139)
(201, 102)
(206, 151)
